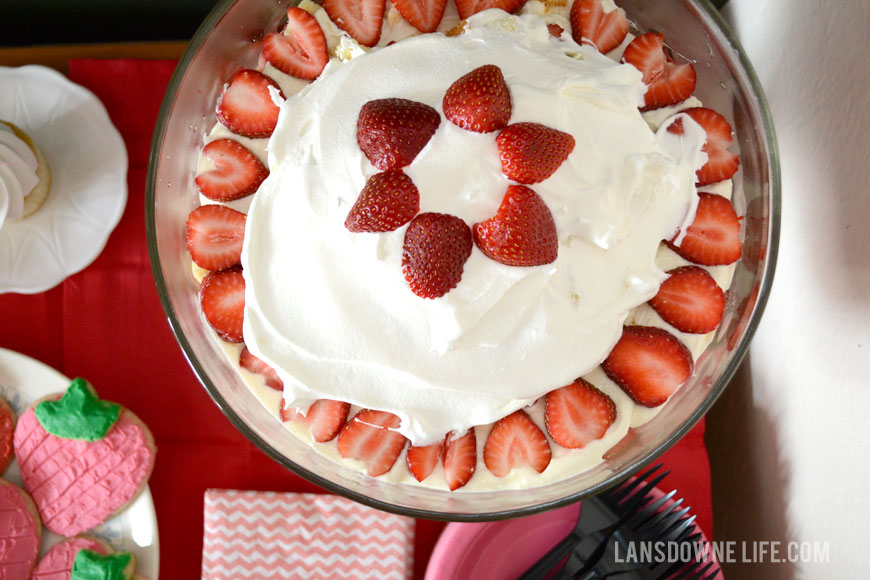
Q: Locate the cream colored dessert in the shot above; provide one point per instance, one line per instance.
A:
(25, 179)
(505, 336)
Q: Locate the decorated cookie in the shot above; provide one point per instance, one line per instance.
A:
(7, 428)
(20, 532)
(83, 459)
(57, 564)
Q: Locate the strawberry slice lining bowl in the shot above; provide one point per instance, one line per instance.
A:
(223, 45)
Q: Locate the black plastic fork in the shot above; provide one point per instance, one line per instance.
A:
(671, 524)
(600, 516)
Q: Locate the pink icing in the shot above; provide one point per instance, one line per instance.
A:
(78, 484)
(58, 562)
(19, 535)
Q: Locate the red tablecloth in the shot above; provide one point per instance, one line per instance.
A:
(106, 324)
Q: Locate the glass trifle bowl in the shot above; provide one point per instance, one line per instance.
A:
(228, 41)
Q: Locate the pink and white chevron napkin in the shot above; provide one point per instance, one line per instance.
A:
(270, 535)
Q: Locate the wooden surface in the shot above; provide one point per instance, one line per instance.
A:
(58, 56)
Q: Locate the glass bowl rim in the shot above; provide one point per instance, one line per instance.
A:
(616, 477)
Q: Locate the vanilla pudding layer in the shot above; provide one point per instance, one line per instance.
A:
(330, 309)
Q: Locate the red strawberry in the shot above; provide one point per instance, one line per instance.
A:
(237, 173)
(721, 163)
(424, 15)
(650, 364)
(516, 440)
(370, 437)
(388, 201)
(460, 459)
(436, 248)
(531, 152)
(245, 106)
(522, 232)
(578, 414)
(590, 24)
(713, 239)
(690, 300)
(215, 234)
(222, 296)
(289, 413)
(325, 418)
(468, 8)
(362, 19)
(479, 101)
(422, 460)
(667, 83)
(391, 132)
(301, 50)
(555, 30)
(253, 364)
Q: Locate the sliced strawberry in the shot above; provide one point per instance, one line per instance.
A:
(460, 459)
(468, 8)
(555, 30)
(237, 172)
(215, 235)
(516, 440)
(436, 248)
(713, 239)
(479, 101)
(222, 297)
(690, 300)
(391, 132)
(255, 365)
(388, 201)
(325, 418)
(531, 152)
(362, 19)
(521, 233)
(423, 460)
(370, 437)
(721, 164)
(667, 83)
(289, 413)
(590, 24)
(578, 414)
(245, 106)
(424, 15)
(301, 50)
(649, 364)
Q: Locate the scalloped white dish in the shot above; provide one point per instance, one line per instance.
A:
(88, 162)
(22, 381)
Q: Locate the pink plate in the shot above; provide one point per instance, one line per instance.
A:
(504, 550)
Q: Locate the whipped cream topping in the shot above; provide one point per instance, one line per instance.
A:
(17, 174)
(331, 311)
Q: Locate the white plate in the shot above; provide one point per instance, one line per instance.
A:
(88, 162)
(22, 381)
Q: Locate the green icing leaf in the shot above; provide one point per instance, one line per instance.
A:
(90, 565)
(79, 414)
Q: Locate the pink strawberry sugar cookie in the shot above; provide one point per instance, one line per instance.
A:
(70, 559)
(7, 428)
(83, 459)
(20, 532)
